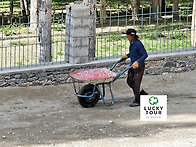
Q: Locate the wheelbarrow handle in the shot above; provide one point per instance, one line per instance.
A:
(120, 74)
(114, 65)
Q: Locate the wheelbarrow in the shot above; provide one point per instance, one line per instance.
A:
(89, 94)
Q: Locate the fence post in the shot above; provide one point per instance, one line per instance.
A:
(77, 33)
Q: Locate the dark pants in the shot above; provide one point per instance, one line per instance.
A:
(134, 81)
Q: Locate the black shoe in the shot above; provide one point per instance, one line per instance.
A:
(143, 92)
(135, 104)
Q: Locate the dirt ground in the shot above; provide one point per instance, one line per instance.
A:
(51, 116)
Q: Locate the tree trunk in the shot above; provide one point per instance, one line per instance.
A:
(135, 5)
(24, 9)
(158, 6)
(162, 5)
(34, 14)
(155, 7)
(11, 6)
(45, 17)
(11, 10)
(193, 26)
(176, 7)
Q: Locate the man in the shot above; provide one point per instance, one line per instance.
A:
(137, 55)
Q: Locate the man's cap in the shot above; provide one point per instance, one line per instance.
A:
(131, 32)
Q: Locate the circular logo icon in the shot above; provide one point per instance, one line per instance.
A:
(153, 100)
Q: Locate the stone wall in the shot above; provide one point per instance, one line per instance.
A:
(59, 74)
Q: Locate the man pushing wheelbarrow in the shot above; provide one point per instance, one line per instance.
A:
(89, 94)
(137, 55)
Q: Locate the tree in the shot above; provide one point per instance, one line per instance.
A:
(155, 4)
(175, 8)
(34, 14)
(158, 6)
(11, 6)
(11, 10)
(162, 5)
(45, 17)
(135, 5)
(24, 10)
(193, 26)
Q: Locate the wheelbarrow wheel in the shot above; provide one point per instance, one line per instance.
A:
(87, 90)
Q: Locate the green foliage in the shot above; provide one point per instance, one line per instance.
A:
(153, 42)
(172, 41)
(178, 35)
(113, 37)
(60, 52)
(154, 35)
(142, 26)
(60, 3)
(17, 43)
(5, 6)
(11, 29)
(6, 30)
(57, 28)
(19, 63)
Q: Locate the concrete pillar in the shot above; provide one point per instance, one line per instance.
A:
(193, 27)
(78, 32)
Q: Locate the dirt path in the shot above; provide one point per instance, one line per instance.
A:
(51, 116)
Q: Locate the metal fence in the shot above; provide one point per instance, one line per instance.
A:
(161, 32)
(20, 45)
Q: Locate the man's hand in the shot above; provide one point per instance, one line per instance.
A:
(124, 58)
(135, 65)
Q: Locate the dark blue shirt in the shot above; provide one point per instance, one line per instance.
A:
(137, 52)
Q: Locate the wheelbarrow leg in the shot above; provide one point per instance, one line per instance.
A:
(103, 95)
(103, 85)
(110, 85)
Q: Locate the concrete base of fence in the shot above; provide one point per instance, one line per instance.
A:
(59, 74)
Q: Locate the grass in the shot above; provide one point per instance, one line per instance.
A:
(164, 44)
(11, 29)
(113, 37)
(153, 42)
(18, 43)
(60, 52)
(19, 63)
(58, 28)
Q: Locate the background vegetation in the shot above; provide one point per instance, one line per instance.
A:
(167, 35)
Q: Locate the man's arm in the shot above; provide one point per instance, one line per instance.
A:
(143, 52)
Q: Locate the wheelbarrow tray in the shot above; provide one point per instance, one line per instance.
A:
(94, 76)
